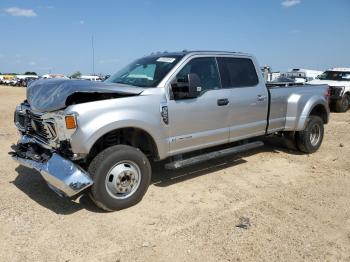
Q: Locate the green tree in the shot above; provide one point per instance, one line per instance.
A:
(30, 73)
(76, 75)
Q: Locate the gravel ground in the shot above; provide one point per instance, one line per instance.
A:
(271, 204)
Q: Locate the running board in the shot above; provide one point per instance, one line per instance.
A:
(212, 155)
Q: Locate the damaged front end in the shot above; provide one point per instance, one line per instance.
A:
(62, 175)
(44, 146)
(46, 129)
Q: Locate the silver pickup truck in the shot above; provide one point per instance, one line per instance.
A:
(185, 107)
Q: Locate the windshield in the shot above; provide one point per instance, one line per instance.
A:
(145, 72)
(335, 76)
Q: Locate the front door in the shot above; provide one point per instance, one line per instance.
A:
(203, 121)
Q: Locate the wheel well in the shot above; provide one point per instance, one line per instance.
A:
(126, 136)
(320, 111)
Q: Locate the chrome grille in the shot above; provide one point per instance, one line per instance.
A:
(35, 126)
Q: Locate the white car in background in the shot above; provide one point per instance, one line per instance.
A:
(50, 76)
(338, 80)
(301, 73)
(90, 78)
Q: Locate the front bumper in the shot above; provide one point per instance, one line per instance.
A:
(61, 174)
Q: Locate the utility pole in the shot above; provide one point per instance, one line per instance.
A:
(93, 55)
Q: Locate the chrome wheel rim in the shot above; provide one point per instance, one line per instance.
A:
(123, 179)
(315, 135)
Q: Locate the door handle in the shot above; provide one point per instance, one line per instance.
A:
(223, 102)
(261, 98)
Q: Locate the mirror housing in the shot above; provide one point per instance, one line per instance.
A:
(187, 87)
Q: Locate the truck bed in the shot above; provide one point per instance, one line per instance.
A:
(288, 103)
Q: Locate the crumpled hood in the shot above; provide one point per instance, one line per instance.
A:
(46, 95)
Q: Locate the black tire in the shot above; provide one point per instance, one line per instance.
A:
(101, 166)
(304, 140)
(342, 105)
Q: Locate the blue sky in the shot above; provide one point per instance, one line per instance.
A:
(43, 36)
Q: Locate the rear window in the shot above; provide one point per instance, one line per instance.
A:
(237, 72)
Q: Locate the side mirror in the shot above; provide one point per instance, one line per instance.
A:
(187, 87)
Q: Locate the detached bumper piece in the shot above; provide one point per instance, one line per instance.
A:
(63, 176)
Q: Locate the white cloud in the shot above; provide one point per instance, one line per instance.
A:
(15, 11)
(290, 3)
(81, 22)
(32, 63)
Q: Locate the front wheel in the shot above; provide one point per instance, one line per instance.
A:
(310, 139)
(121, 176)
(342, 105)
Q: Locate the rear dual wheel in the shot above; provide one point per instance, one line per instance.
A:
(310, 139)
(342, 105)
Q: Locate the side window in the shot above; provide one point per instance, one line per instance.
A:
(206, 70)
(237, 72)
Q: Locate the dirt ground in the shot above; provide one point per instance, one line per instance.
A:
(298, 208)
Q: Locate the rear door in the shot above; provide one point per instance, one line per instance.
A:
(203, 121)
(248, 97)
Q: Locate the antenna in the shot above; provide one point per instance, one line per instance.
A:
(93, 55)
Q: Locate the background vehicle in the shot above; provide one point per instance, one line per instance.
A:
(101, 136)
(90, 78)
(339, 81)
(300, 73)
(50, 76)
(8, 79)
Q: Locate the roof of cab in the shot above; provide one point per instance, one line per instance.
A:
(342, 69)
(188, 52)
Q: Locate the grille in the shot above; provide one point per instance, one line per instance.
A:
(33, 125)
(36, 128)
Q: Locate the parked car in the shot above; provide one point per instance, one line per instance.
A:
(99, 137)
(8, 79)
(300, 73)
(339, 81)
(51, 76)
(90, 78)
